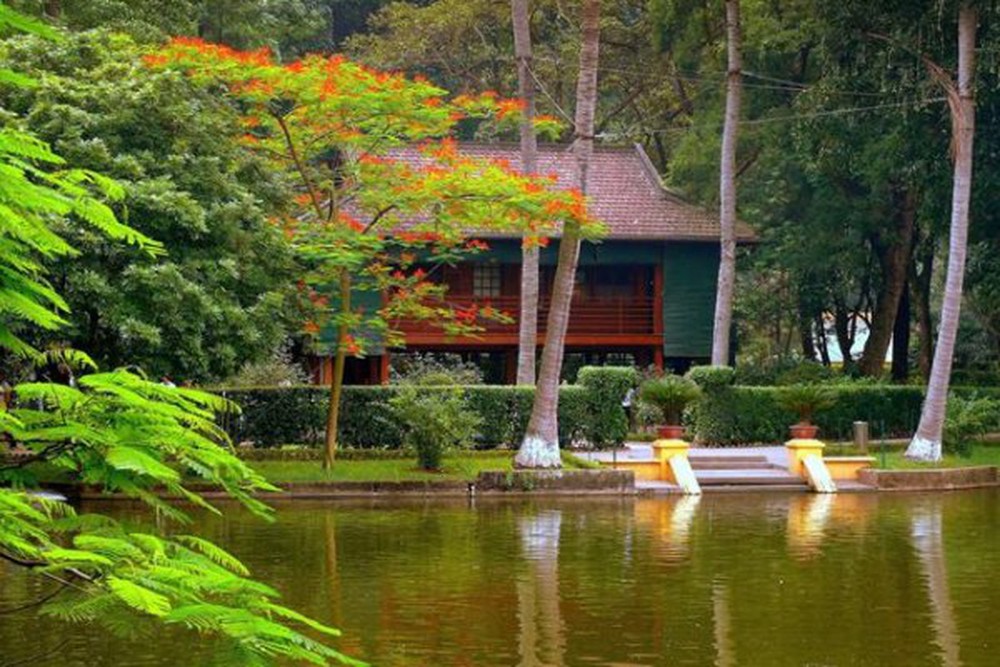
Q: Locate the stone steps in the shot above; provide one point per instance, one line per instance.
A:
(698, 464)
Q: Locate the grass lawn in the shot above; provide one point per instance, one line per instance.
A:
(982, 455)
(456, 468)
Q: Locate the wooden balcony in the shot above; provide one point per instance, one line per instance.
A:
(626, 320)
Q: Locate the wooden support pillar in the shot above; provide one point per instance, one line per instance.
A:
(383, 368)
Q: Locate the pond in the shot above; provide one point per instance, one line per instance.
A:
(728, 579)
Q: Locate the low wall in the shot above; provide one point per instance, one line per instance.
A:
(847, 467)
(558, 481)
(942, 479)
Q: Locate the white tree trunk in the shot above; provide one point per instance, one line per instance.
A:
(540, 447)
(926, 443)
(527, 338)
(727, 192)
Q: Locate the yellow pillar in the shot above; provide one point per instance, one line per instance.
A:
(663, 451)
(798, 449)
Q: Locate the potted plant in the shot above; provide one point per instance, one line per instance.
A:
(805, 400)
(669, 395)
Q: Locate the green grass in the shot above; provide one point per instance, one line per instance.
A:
(982, 455)
(457, 468)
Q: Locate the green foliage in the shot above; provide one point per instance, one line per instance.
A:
(806, 400)
(414, 367)
(607, 387)
(122, 433)
(670, 394)
(712, 378)
(279, 370)
(434, 422)
(368, 421)
(968, 418)
(218, 299)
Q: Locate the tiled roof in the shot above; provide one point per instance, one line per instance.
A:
(624, 189)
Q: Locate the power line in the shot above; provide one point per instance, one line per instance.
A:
(796, 117)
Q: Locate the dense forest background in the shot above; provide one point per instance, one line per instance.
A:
(842, 164)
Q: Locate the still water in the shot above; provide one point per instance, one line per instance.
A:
(725, 580)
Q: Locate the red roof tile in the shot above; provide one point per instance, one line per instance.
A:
(624, 189)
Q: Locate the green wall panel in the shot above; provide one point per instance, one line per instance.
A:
(690, 271)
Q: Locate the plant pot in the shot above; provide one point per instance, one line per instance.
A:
(803, 431)
(670, 432)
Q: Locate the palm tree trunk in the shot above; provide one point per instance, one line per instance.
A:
(926, 443)
(727, 192)
(540, 447)
(527, 339)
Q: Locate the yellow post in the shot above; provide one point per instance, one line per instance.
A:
(798, 449)
(672, 456)
(663, 451)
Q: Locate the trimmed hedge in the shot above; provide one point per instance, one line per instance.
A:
(273, 416)
(606, 387)
(734, 416)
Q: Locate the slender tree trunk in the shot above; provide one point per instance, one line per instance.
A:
(337, 377)
(727, 192)
(540, 447)
(894, 256)
(527, 339)
(926, 443)
(901, 338)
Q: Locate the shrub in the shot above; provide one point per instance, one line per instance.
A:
(712, 378)
(967, 420)
(273, 416)
(606, 387)
(670, 394)
(805, 400)
(278, 370)
(415, 366)
(433, 422)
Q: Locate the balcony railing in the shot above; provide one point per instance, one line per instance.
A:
(600, 316)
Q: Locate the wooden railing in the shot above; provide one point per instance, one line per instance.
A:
(591, 316)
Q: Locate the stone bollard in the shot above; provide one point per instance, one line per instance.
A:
(861, 436)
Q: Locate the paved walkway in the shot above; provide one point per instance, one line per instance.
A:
(643, 451)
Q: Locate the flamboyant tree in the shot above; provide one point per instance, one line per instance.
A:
(727, 191)
(926, 443)
(527, 333)
(540, 447)
(380, 198)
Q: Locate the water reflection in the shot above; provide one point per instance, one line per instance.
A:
(807, 521)
(928, 540)
(722, 580)
(542, 638)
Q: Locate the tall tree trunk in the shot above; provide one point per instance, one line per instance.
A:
(920, 283)
(53, 9)
(540, 447)
(894, 256)
(901, 338)
(727, 192)
(337, 376)
(926, 443)
(527, 338)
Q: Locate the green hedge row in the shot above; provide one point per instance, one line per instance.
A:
(738, 415)
(590, 412)
(281, 415)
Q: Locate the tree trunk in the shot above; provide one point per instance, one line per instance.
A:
(727, 192)
(540, 447)
(901, 338)
(894, 256)
(926, 443)
(527, 338)
(53, 9)
(337, 377)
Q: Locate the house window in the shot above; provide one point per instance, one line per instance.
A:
(486, 280)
